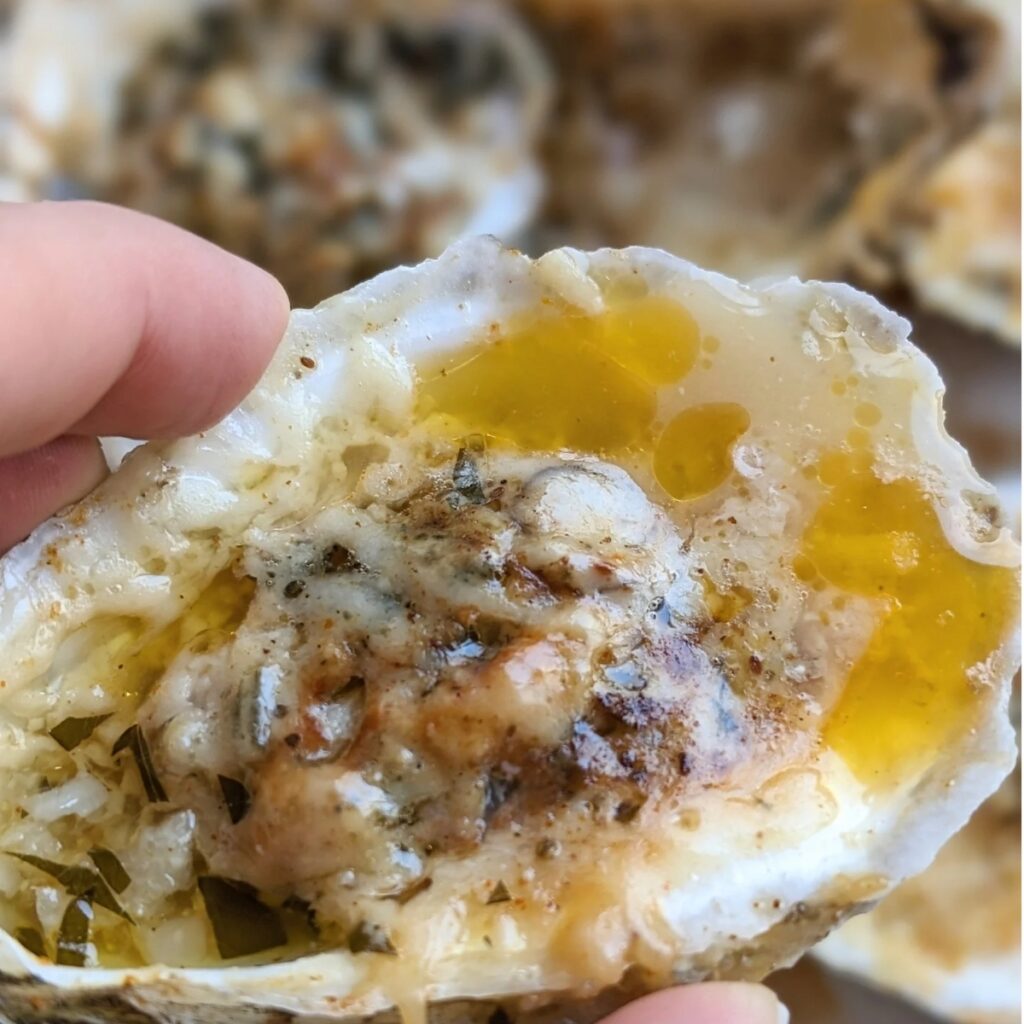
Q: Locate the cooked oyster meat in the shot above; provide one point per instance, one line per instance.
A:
(417, 669)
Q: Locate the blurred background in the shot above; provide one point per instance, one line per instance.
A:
(876, 141)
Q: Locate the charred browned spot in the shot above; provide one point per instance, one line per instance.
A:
(338, 558)
(522, 584)
(637, 710)
(557, 577)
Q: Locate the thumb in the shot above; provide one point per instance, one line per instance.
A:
(719, 1002)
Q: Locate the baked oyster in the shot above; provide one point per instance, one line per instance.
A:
(328, 141)
(961, 244)
(536, 633)
(850, 139)
(324, 141)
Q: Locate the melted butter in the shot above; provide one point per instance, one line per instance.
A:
(911, 690)
(693, 456)
(724, 605)
(587, 383)
(211, 619)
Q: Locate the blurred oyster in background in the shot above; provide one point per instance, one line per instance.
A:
(964, 256)
(949, 939)
(964, 259)
(870, 139)
(324, 141)
(799, 136)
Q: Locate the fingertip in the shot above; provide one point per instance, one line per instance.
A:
(271, 310)
(708, 1003)
(211, 324)
(254, 311)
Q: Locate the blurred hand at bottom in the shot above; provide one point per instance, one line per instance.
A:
(710, 1003)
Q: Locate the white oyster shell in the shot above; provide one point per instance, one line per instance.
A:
(749, 879)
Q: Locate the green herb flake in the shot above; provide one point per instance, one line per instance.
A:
(410, 891)
(370, 938)
(78, 881)
(73, 946)
(242, 923)
(467, 486)
(73, 731)
(304, 910)
(31, 940)
(236, 797)
(133, 740)
(499, 894)
(111, 869)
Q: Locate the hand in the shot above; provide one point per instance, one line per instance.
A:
(112, 322)
(710, 1003)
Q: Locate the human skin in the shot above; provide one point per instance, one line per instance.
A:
(116, 323)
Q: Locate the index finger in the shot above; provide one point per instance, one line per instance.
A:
(117, 323)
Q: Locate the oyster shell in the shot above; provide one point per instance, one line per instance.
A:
(502, 563)
(949, 939)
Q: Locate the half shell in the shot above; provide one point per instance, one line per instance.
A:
(750, 625)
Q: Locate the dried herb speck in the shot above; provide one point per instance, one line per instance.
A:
(78, 881)
(133, 740)
(497, 789)
(338, 558)
(31, 940)
(73, 937)
(411, 891)
(110, 868)
(549, 848)
(242, 923)
(467, 487)
(499, 894)
(626, 811)
(236, 797)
